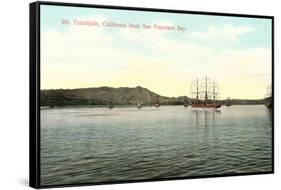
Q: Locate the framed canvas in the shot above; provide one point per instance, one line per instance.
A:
(126, 94)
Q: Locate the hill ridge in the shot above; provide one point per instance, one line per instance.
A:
(104, 95)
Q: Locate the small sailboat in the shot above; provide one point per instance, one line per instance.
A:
(139, 105)
(111, 106)
(157, 103)
(185, 104)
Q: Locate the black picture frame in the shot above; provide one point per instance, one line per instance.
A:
(34, 87)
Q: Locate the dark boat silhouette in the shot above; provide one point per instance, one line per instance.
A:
(228, 102)
(139, 105)
(186, 103)
(157, 103)
(268, 97)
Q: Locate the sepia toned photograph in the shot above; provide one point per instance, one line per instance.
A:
(142, 95)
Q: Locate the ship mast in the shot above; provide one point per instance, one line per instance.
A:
(214, 91)
(197, 91)
(206, 90)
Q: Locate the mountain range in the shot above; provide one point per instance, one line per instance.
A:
(116, 96)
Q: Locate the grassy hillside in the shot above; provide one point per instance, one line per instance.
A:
(104, 96)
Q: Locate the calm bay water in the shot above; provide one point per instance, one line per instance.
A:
(86, 145)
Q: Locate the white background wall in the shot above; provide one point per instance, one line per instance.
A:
(14, 93)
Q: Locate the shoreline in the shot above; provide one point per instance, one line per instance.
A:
(126, 106)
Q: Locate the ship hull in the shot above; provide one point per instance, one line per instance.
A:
(157, 105)
(205, 105)
(268, 105)
(268, 102)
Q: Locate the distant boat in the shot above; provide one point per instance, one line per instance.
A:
(208, 90)
(157, 104)
(268, 97)
(111, 106)
(268, 104)
(139, 104)
(185, 104)
(228, 102)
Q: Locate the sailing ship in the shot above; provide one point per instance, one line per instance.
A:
(206, 94)
(268, 97)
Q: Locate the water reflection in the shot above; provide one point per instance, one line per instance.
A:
(205, 123)
(208, 116)
(93, 145)
(269, 114)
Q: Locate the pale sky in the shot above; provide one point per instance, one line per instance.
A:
(233, 51)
